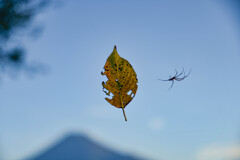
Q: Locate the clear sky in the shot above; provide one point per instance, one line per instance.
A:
(198, 119)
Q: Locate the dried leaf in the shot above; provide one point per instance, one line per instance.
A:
(122, 81)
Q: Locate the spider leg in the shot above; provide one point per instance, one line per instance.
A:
(180, 79)
(189, 72)
(181, 73)
(163, 79)
(171, 85)
(176, 73)
(186, 75)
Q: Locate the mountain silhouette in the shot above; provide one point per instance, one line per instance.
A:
(79, 147)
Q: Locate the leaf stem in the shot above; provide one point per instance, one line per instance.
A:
(123, 110)
(124, 114)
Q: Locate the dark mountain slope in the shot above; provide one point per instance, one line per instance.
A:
(79, 147)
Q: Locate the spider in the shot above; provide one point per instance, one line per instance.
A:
(176, 77)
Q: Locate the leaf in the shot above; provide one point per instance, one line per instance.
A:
(122, 81)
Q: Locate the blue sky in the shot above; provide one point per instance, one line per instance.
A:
(198, 119)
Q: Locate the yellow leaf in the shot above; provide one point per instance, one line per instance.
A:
(122, 81)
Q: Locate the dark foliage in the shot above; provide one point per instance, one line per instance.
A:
(15, 16)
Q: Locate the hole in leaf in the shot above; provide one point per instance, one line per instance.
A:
(106, 91)
(111, 95)
(129, 92)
